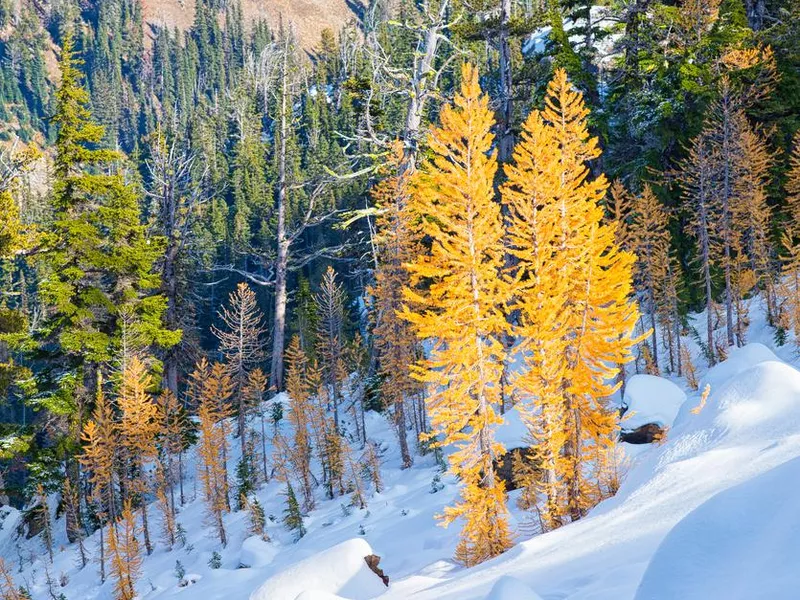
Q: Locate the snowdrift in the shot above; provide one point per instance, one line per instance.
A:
(742, 543)
(338, 572)
(510, 588)
(700, 516)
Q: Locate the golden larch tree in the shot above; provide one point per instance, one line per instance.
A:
(793, 186)
(8, 589)
(457, 302)
(123, 550)
(139, 425)
(577, 312)
(300, 414)
(100, 456)
(255, 391)
(541, 292)
(212, 448)
(651, 245)
(395, 342)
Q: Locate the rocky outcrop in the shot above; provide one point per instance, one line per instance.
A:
(373, 560)
(504, 465)
(645, 434)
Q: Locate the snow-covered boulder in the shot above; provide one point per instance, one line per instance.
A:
(741, 543)
(340, 570)
(511, 588)
(256, 552)
(651, 401)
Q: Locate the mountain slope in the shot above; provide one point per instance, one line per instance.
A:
(308, 18)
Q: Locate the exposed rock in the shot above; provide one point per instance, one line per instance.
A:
(373, 560)
(504, 465)
(646, 434)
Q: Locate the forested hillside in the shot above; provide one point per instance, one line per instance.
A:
(232, 233)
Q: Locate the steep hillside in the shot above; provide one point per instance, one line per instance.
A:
(307, 17)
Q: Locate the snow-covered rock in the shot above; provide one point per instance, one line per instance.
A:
(511, 588)
(340, 570)
(651, 399)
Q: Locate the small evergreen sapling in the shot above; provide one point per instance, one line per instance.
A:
(292, 517)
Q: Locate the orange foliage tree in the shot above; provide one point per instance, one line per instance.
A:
(457, 300)
(576, 312)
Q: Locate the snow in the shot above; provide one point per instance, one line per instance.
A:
(651, 399)
(257, 552)
(510, 588)
(708, 514)
(339, 570)
(739, 359)
(750, 426)
(741, 543)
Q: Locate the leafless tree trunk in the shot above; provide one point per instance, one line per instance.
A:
(282, 257)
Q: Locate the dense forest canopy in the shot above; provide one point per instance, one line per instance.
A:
(193, 219)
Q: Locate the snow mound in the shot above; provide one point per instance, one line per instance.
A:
(318, 596)
(729, 458)
(759, 403)
(256, 552)
(511, 588)
(651, 399)
(739, 360)
(340, 570)
(741, 543)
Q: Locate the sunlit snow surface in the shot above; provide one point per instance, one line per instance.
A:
(710, 513)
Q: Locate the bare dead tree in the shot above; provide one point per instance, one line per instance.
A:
(176, 193)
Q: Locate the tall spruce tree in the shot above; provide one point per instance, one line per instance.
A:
(99, 262)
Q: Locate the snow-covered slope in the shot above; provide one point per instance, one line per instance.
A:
(747, 436)
(709, 513)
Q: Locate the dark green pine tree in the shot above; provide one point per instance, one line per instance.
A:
(292, 517)
(98, 265)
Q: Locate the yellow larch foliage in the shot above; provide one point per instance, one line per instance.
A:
(101, 442)
(620, 209)
(456, 301)
(395, 342)
(139, 425)
(216, 388)
(255, 391)
(171, 438)
(577, 315)
(533, 235)
(793, 186)
(123, 550)
(300, 415)
(650, 243)
(789, 287)
(8, 589)
(752, 215)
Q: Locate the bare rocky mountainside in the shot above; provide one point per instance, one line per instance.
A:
(306, 17)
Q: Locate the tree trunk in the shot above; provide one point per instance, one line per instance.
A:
(505, 138)
(400, 423)
(282, 258)
(421, 90)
